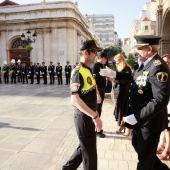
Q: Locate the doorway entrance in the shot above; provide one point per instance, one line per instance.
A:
(18, 51)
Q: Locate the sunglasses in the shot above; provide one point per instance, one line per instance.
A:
(93, 51)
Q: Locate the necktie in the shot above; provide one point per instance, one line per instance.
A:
(141, 67)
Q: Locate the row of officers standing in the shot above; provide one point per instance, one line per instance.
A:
(19, 71)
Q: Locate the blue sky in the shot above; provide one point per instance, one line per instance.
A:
(124, 11)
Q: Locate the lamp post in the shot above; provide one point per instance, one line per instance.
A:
(28, 37)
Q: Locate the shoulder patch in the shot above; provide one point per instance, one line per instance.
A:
(157, 62)
(74, 87)
(162, 76)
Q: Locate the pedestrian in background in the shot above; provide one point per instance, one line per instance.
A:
(101, 83)
(149, 97)
(86, 119)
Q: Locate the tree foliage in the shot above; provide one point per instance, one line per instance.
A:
(130, 60)
(112, 51)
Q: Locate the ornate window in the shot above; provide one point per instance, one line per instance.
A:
(19, 44)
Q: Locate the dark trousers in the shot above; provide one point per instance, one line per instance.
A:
(60, 80)
(19, 77)
(13, 78)
(45, 78)
(86, 150)
(24, 78)
(6, 78)
(145, 144)
(99, 106)
(32, 78)
(68, 78)
(51, 78)
(38, 78)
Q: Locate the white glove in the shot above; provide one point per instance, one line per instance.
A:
(108, 72)
(130, 119)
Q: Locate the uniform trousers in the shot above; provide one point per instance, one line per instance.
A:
(99, 106)
(60, 80)
(86, 151)
(13, 78)
(68, 78)
(6, 78)
(145, 144)
(45, 78)
(51, 78)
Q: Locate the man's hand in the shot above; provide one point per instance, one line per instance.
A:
(108, 72)
(98, 123)
(130, 119)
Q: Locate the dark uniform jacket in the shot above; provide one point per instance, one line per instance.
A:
(31, 70)
(149, 95)
(19, 68)
(44, 70)
(51, 69)
(100, 80)
(37, 70)
(24, 71)
(13, 69)
(68, 69)
(5, 70)
(59, 70)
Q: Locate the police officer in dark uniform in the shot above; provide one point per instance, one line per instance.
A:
(149, 96)
(5, 71)
(13, 70)
(24, 72)
(19, 68)
(59, 73)
(83, 89)
(31, 70)
(101, 82)
(44, 72)
(67, 70)
(51, 68)
(37, 72)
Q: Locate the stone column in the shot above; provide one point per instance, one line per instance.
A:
(159, 20)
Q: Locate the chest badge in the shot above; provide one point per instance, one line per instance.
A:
(89, 80)
(140, 91)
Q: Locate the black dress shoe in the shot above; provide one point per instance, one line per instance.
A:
(100, 134)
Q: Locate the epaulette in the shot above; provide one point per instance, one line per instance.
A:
(157, 62)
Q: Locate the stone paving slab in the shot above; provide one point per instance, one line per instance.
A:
(37, 131)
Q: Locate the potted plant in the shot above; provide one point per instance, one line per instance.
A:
(29, 48)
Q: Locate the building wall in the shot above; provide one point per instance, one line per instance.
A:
(60, 30)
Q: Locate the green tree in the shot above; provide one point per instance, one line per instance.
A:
(112, 51)
(130, 60)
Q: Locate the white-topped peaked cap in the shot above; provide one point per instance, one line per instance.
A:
(12, 61)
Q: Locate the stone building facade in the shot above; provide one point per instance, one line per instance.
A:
(60, 29)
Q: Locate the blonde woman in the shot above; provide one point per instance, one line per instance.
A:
(121, 108)
(164, 143)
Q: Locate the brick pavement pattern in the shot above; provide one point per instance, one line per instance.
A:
(37, 131)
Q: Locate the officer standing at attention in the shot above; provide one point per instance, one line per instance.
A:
(101, 82)
(37, 71)
(59, 73)
(19, 68)
(44, 72)
(51, 72)
(68, 69)
(86, 118)
(24, 73)
(149, 97)
(5, 71)
(31, 70)
(13, 70)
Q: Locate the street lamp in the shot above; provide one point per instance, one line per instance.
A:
(28, 37)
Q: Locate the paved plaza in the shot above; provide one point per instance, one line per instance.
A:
(37, 130)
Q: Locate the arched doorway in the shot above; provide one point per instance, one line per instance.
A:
(166, 33)
(18, 51)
